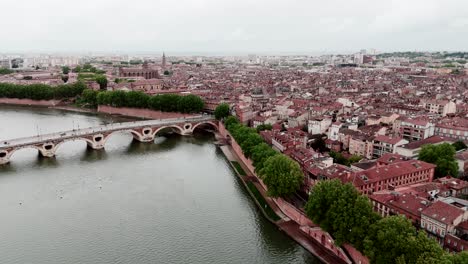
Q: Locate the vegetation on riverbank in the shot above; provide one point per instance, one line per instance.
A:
(222, 111)
(238, 168)
(261, 200)
(161, 102)
(348, 216)
(281, 175)
(41, 91)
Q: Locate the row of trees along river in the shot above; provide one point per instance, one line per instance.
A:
(339, 208)
(90, 98)
(41, 91)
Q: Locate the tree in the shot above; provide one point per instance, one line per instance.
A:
(136, 99)
(319, 144)
(222, 111)
(339, 209)
(443, 156)
(230, 121)
(189, 104)
(338, 158)
(281, 175)
(89, 97)
(241, 133)
(263, 127)
(5, 71)
(65, 69)
(166, 72)
(41, 91)
(77, 69)
(388, 239)
(353, 159)
(252, 140)
(102, 81)
(65, 78)
(460, 258)
(459, 145)
(322, 196)
(260, 153)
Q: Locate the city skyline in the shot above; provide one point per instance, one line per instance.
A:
(209, 27)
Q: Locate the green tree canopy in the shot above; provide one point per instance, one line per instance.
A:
(339, 209)
(221, 111)
(77, 69)
(260, 153)
(5, 71)
(319, 144)
(102, 81)
(65, 69)
(41, 91)
(230, 121)
(89, 98)
(263, 127)
(252, 140)
(459, 145)
(443, 156)
(162, 102)
(281, 175)
(394, 237)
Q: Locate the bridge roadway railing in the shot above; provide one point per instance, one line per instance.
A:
(75, 133)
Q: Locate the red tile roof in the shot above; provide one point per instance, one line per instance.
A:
(442, 212)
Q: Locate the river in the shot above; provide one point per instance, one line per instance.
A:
(173, 201)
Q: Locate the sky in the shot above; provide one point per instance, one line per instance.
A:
(233, 26)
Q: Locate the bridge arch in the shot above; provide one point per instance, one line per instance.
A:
(59, 144)
(213, 124)
(9, 154)
(181, 130)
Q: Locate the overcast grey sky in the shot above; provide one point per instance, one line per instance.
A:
(233, 26)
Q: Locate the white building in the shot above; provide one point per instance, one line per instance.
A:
(318, 125)
(441, 107)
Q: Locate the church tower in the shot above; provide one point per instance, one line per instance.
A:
(164, 60)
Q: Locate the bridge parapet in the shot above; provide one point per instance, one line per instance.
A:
(96, 137)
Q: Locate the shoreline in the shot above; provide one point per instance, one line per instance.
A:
(286, 225)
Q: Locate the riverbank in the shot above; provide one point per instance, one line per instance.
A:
(283, 222)
(29, 102)
(102, 109)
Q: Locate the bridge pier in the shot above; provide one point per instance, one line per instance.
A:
(47, 150)
(4, 157)
(146, 135)
(187, 129)
(97, 142)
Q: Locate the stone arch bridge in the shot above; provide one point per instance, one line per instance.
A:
(96, 137)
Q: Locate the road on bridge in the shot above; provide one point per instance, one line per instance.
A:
(14, 143)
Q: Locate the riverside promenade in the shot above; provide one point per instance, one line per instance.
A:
(290, 227)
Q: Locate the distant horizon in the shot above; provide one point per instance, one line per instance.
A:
(212, 53)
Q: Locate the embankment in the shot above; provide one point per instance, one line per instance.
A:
(29, 102)
(140, 112)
